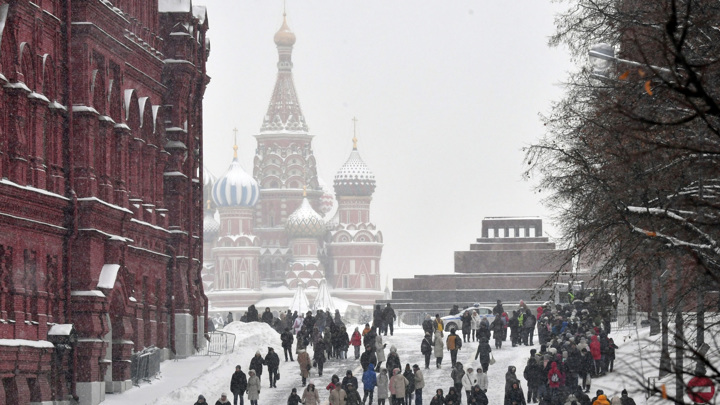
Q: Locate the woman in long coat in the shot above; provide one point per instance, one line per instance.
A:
(311, 396)
(379, 351)
(253, 388)
(383, 382)
(303, 360)
(439, 348)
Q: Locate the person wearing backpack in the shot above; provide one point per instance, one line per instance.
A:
(554, 379)
(454, 343)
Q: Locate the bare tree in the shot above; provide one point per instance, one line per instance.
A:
(632, 160)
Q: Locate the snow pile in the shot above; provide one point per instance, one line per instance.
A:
(249, 338)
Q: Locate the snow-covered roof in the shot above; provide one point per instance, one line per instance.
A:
(63, 329)
(175, 6)
(41, 344)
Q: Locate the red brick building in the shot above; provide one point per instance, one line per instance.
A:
(100, 198)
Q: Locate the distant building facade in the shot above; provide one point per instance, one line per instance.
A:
(291, 224)
(510, 262)
(101, 243)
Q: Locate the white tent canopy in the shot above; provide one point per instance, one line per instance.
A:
(300, 301)
(323, 300)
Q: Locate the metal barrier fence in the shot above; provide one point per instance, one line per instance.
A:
(145, 364)
(220, 343)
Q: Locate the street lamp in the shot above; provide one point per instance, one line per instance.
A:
(602, 57)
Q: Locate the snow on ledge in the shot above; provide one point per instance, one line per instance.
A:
(108, 274)
(41, 344)
(117, 207)
(91, 293)
(61, 329)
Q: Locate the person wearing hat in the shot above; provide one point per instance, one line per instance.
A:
(349, 379)
(469, 380)
(625, 399)
(201, 400)
(311, 395)
(294, 398)
(419, 384)
(257, 364)
(238, 385)
(353, 397)
(223, 400)
(338, 396)
(454, 343)
(253, 387)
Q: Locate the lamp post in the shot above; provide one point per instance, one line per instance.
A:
(602, 56)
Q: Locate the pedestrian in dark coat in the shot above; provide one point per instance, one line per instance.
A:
(466, 324)
(349, 379)
(427, 325)
(257, 364)
(625, 399)
(532, 376)
(515, 395)
(389, 318)
(410, 387)
(510, 378)
(272, 361)
(294, 398)
(267, 316)
(457, 375)
(238, 385)
(319, 356)
(478, 396)
(426, 348)
(368, 357)
(483, 352)
(252, 314)
(200, 400)
(438, 399)
(393, 360)
(353, 397)
(287, 341)
(452, 397)
(498, 330)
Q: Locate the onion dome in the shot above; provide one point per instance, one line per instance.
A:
(284, 37)
(305, 222)
(354, 178)
(208, 181)
(210, 226)
(236, 188)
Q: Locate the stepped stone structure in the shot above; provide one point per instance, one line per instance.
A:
(510, 262)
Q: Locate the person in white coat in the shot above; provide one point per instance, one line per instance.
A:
(475, 325)
(383, 383)
(469, 380)
(482, 380)
(379, 352)
(253, 387)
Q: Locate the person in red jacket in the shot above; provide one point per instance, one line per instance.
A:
(555, 378)
(596, 354)
(356, 342)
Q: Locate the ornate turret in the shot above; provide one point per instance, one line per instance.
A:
(305, 222)
(284, 113)
(354, 178)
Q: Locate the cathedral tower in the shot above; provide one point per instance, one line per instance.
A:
(284, 164)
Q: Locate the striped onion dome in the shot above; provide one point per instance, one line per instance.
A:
(354, 178)
(305, 222)
(236, 188)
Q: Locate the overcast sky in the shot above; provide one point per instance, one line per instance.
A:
(446, 94)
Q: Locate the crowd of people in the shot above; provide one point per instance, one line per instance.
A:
(574, 349)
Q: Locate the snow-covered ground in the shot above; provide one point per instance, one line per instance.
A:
(182, 381)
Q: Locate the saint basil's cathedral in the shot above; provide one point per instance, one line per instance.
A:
(281, 230)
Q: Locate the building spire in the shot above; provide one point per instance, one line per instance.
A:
(354, 139)
(235, 147)
(284, 113)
